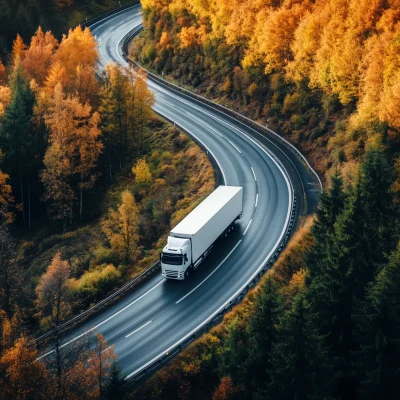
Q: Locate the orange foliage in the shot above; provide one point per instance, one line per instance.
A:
(5, 98)
(39, 55)
(225, 390)
(3, 75)
(21, 376)
(74, 64)
(18, 49)
(6, 199)
(53, 289)
(73, 151)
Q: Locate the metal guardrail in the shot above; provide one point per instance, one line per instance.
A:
(77, 319)
(237, 297)
(233, 114)
(102, 16)
(216, 317)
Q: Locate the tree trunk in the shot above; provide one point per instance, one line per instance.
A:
(80, 200)
(29, 198)
(21, 183)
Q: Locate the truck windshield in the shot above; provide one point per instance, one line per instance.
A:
(171, 259)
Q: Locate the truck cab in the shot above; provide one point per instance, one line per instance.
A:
(176, 258)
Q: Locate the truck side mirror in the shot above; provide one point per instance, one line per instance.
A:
(186, 257)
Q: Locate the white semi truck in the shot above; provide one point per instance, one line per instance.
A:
(193, 238)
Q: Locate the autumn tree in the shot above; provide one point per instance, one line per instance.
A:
(114, 110)
(121, 227)
(18, 50)
(6, 199)
(142, 171)
(78, 55)
(5, 99)
(22, 377)
(101, 358)
(38, 56)
(225, 390)
(142, 103)
(52, 291)
(3, 74)
(72, 154)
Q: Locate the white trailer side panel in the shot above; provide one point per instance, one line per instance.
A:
(210, 218)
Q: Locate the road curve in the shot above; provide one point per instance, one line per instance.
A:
(153, 318)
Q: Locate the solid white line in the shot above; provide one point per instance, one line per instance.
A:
(138, 329)
(184, 297)
(254, 174)
(207, 148)
(235, 146)
(255, 206)
(106, 320)
(290, 190)
(247, 227)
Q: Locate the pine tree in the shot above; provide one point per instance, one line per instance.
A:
(297, 367)
(115, 387)
(16, 138)
(235, 352)
(262, 333)
(380, 214)
(378, 331)
(330, 206)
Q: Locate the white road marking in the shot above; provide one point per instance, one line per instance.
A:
(184, 297)
(254, 174)
(247, 227)
(255, 206)
(235, 146)
(202, 122)
(206, 147)
(138, 329)
(267, 257)
(103, 322)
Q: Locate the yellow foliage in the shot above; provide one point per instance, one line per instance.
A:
(142, 171)
(38, 56)
(121, 227)
(5, 98)
(6, 199)
(90, 279)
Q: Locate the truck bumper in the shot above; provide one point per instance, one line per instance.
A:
(177, 275)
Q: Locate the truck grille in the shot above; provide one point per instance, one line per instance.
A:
(171, 274)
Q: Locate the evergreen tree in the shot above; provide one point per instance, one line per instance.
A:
(262, 333)
(16, 134)
(297, 367)
(115, 387)
(330, 206)
(379, 335)
(379, 209)
(235, 352)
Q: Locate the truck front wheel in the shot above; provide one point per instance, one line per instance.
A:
(187, 273)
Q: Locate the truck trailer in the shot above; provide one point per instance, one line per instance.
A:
(193, 238)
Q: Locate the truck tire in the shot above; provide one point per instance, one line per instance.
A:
(187, 273)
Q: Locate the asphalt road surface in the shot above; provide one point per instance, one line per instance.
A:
(161, 312)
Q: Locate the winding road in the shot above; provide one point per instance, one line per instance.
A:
(151, 320)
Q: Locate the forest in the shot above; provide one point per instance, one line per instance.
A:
(324, 73)
(324, 323)
(91, 181)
